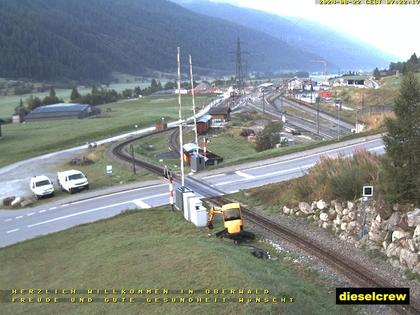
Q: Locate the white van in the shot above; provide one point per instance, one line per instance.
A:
(72, 181)
(41, 186)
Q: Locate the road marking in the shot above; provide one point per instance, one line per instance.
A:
(52, 208)
(376, 148)
(29, 214)
(244, 175)
(77, 213)
(141, 204)
(12, 231)
(7, 220)
(114, 194)
(213, 176)
(42, 211)
(290, 170)
(62, 206)
(19, 217)
(154, 196)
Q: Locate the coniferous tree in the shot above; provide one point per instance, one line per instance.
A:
(75, 95)
(402, 164)
(376, 73)
(51, 98)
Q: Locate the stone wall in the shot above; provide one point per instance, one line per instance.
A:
(395, 235)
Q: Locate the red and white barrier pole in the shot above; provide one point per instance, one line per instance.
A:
(171, 191)
(205, 147)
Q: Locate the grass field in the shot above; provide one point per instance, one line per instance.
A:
(21, 141)
(157, 249)
(227, 143)
(9, 102)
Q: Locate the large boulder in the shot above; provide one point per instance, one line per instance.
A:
(417, 269)
(392, 222)
(400, 234)
(408, 258)
(8, 201)
(324, 217)
(345, 218)
(286, 210)
(393, 250)
(16, 202)
(332, 214)
(414, 244)
(305, 208)
(351, 226)
(326, 225)
(376, 237)
(337, 221)
(337, 206)
(350, 206)
(352, 215)
(413, 218)
(416, 231)
(321, 204)
(26, 202)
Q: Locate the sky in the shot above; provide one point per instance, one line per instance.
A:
(392, 28)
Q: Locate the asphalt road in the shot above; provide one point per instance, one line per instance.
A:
(19, 225)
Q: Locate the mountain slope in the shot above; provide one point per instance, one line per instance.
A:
(343, 52)
(77, 39)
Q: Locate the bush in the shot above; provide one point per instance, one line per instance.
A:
(269, 136)
(338, 178)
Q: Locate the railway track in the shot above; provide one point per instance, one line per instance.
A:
(355, 272)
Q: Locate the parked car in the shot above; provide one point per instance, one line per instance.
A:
(72, 181)
(41, 186)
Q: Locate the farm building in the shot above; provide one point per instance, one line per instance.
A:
(60, 111)
(203, 124)
(220, 112)
(360, 81)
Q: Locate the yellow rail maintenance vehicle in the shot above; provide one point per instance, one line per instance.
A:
(232, 221)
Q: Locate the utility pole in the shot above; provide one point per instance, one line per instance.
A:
(263, 101)
(132, 158)
(317, 115)
(239, 71)
(338, 118)
(281, 99)
(355, 125)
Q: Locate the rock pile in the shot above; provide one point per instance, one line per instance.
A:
(16, 202)
(395, 235)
